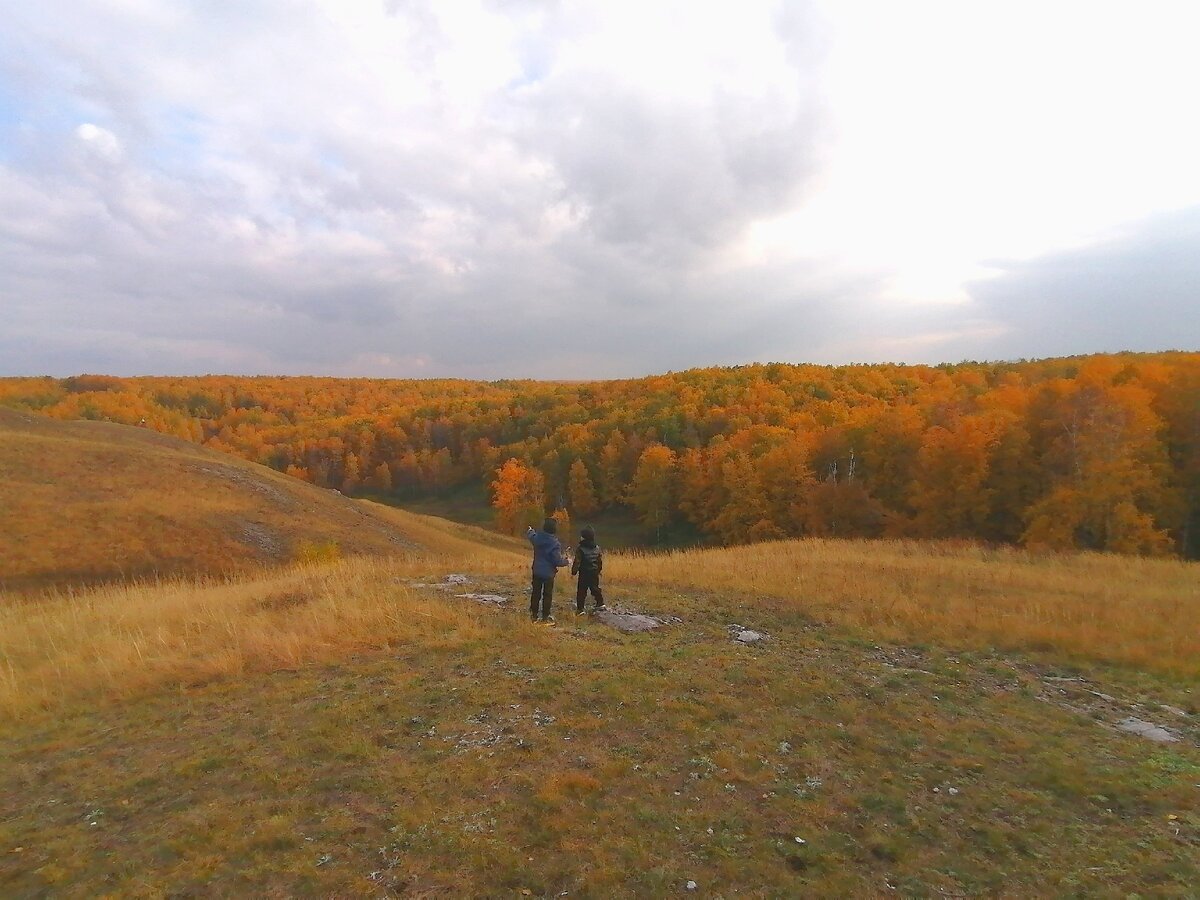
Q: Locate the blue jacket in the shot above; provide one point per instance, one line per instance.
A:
(547, 554)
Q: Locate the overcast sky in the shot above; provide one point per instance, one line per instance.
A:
(574, 190)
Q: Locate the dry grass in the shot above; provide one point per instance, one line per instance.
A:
(364, 737)
(1136, 612)
(93, 502)
(115, 641)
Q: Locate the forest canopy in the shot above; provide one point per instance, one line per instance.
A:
(1099, 452)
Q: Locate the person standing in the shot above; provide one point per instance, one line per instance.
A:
(589, 563)
(548, 558)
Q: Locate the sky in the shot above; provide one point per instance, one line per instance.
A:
(510, 188)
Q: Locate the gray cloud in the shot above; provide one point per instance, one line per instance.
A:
(266, 189)
(1136, 291)
(228, 192)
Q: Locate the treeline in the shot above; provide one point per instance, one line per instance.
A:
(1098, 452)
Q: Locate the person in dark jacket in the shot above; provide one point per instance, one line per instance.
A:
(589, 562)
(548, 558)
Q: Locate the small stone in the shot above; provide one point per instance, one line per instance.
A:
(691, 885)
(801, 840)
(952, 790)
(785, 747)
(749, 637)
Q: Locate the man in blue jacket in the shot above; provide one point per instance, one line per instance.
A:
(548, 558)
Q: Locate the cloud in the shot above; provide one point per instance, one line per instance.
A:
(296, 189)
(1137, 290)
(484, 189)
(102, 141)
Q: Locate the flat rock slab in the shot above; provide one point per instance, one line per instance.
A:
(1146, 730)
(628, 622)
(493, 599)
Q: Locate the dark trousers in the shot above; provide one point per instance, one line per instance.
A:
(541, 595)
(588, 581)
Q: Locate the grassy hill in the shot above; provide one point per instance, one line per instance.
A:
(921, 720)
(87, 502)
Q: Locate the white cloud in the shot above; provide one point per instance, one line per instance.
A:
(102, 141)
(509, 188)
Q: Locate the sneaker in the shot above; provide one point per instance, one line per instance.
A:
(600, 607)
(549, 620)
(580, 612)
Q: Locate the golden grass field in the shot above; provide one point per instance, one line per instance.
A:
(1090, 607)
(119, 638)
(347, 727)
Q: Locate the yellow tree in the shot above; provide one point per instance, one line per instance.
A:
(612, 486)
(563, 520)
(519, 496)
(744, 516)
(381, 478)
(652, 490)
(350, 472)
(581, 489)
(948, 489)
(1109, 469)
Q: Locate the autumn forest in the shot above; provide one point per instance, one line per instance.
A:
(1098, 452)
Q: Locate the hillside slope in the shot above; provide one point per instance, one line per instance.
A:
(87, 502)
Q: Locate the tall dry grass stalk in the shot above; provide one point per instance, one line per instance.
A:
(116, 641)
(1124, 610)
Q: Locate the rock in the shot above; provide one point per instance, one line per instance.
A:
(691, 885)
(494, 599)
(627, 622)
(785, 747)
(457, 579)
(1173, 710)
(744, 635)
(1146, 730)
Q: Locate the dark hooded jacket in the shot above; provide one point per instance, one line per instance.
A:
(547, 554)
(589, 560)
